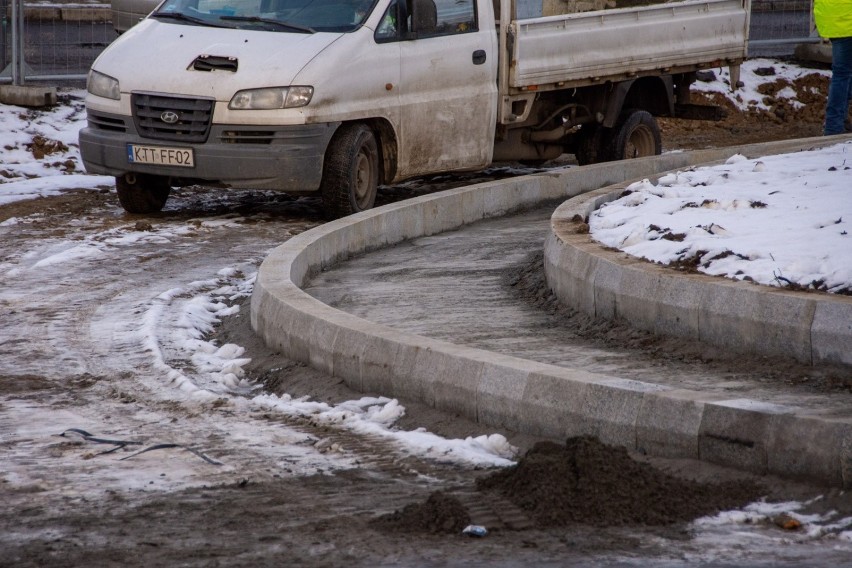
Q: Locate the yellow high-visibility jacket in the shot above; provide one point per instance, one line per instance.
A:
(833, 18)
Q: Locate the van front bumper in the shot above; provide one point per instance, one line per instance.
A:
(286, 158)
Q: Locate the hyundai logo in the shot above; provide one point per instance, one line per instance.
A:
(169, 116)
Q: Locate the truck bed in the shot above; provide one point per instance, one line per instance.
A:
(585, 48)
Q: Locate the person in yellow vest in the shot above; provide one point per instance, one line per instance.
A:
(834, 21)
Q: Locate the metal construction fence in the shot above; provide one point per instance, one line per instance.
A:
(51, 42)
(55, 42)
(777, 26)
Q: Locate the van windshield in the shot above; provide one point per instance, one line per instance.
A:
(294, 16)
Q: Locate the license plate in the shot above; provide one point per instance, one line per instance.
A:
(160, 155)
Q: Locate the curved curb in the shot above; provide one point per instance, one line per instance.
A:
(737, 315)
(503, 391)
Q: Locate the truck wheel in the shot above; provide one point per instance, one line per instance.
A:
(635, 136)
(142, 193)
(350, 174)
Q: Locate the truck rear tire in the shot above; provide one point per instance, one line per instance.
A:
(142, 193)
(636, 135)
(351, 171)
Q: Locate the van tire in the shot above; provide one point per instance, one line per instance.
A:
(636, 135)
(350, 176)
(142, 193)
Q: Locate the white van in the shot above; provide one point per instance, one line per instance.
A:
(338, 96)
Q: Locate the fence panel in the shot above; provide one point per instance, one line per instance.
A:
(61, 40)
(777, 26)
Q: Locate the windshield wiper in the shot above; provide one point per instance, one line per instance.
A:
(184, 18)
(277, 23)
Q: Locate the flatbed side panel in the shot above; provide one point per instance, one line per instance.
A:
(591, 46)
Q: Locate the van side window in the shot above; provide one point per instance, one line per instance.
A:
(389, 26)
(413, 19)
(430, 18)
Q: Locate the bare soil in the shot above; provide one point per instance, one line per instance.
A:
(785, 121)
(581, 481)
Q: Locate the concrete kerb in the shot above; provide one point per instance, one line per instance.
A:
(813, 328)
(531, 397)
(27, 95)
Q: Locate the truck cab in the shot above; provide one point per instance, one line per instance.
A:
(282, 94)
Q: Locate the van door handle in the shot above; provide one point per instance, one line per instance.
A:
(479, 57)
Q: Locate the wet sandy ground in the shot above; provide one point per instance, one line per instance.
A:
(75, 353)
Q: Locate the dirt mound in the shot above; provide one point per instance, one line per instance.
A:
(441, 513)
(588, 482)
(808, 107)
(582, 481)
(42, 147)
(782, 119)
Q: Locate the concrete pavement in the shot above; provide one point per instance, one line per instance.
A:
(534, 397)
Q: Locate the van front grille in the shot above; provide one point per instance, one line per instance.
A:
(248, 136)
(101, 121)
(180, 119)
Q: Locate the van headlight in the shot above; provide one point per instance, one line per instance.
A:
(271, 98)
(103, 85)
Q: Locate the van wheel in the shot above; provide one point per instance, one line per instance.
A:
(636, 135)
(350, 176)
(142, 193)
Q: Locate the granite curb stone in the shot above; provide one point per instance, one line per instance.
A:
(532, 397)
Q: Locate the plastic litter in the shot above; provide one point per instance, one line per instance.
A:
(475, 530)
